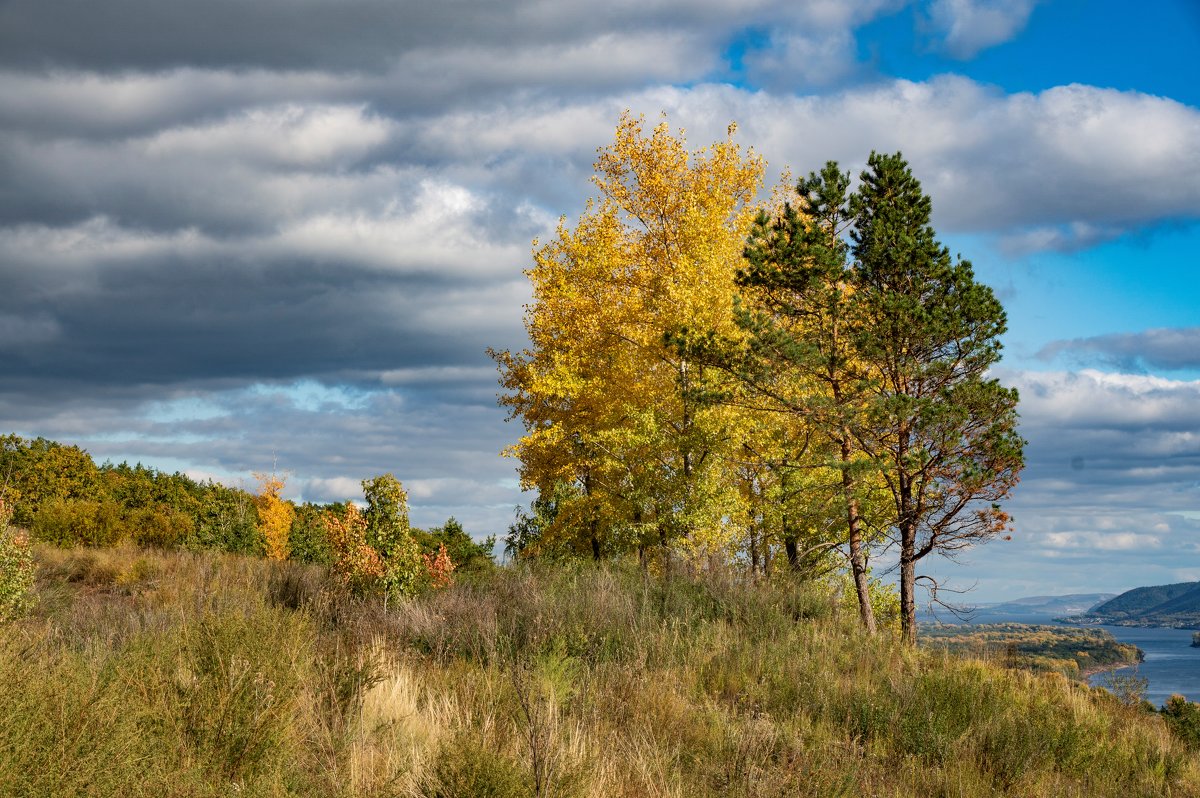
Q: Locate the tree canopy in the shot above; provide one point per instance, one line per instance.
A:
(712, 373)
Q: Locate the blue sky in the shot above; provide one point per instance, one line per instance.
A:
(232, 233)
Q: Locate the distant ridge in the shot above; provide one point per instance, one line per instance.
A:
(1029, 609)
(1176, 605)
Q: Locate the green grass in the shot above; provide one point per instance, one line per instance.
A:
(177, 674)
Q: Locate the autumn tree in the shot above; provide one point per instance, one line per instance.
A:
(275, 515)
(609, 407)
(943, 430)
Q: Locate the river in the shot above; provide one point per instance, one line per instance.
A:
(1171, 665)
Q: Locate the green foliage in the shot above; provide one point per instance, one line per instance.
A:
(527, 535)
(136, 487)
(79, 522)
(159, 525)
(388, 534)
(309, 539)
(33, 472)
(1183, 719)
(468, 556)
(227, 521)
(386, 513)
(16, 569)
(943, 430)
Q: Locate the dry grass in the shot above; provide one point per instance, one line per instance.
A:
(148, 673)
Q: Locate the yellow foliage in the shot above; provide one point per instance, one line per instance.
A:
(275, 515)
(609, 404)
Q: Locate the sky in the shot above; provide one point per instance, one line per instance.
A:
(234, 234)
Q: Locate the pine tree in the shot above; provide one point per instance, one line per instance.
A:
(801, 313)
(944, 432)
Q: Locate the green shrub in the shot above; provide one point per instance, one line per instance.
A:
(79, 522)
(235, 689)
(16, 569)
(159, 525)
(308, 538)
(468, 768)
(1183, 719)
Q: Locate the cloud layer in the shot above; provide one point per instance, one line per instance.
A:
(1172, 349)
(1111, 490)
(230, 231)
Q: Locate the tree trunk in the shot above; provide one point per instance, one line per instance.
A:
(858, 564)
(908, 545)
(908, 602)
(753, 534)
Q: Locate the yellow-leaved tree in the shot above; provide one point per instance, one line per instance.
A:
(613, 408)
(275, 515)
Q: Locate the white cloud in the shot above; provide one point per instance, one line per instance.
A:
(968, 26)
(794, 60)
(290, 135)
(1100, 541)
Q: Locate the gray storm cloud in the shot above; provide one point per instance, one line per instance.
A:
(257, 208)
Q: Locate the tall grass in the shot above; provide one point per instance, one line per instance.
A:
(148, 673)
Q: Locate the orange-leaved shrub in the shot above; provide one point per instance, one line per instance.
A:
(439, 567)
(355, 563)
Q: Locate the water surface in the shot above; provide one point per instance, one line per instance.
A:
(1171, 665)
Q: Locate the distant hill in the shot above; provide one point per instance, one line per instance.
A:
(1176, 605)
(1030, 609)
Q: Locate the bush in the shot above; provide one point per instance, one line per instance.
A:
(1183, 719)
(467, 768)
(79, 522)
(309, 538)
(16, 569)
(160, 525)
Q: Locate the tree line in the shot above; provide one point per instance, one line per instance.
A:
(799, 381)
(61, 496)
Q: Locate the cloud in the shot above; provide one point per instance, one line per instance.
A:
(965, 27)
(1101, 541)
(232, 229)
(1171, 348)
(348, 36)
(1110, 495)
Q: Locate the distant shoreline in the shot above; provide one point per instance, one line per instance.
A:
(1075, 620)
(1088, 673)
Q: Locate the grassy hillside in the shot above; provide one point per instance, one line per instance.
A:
(1144, 599)
(1159, 605)
(142, 673)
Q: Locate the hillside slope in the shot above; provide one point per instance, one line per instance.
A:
(1176, 605)
(144, 673)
